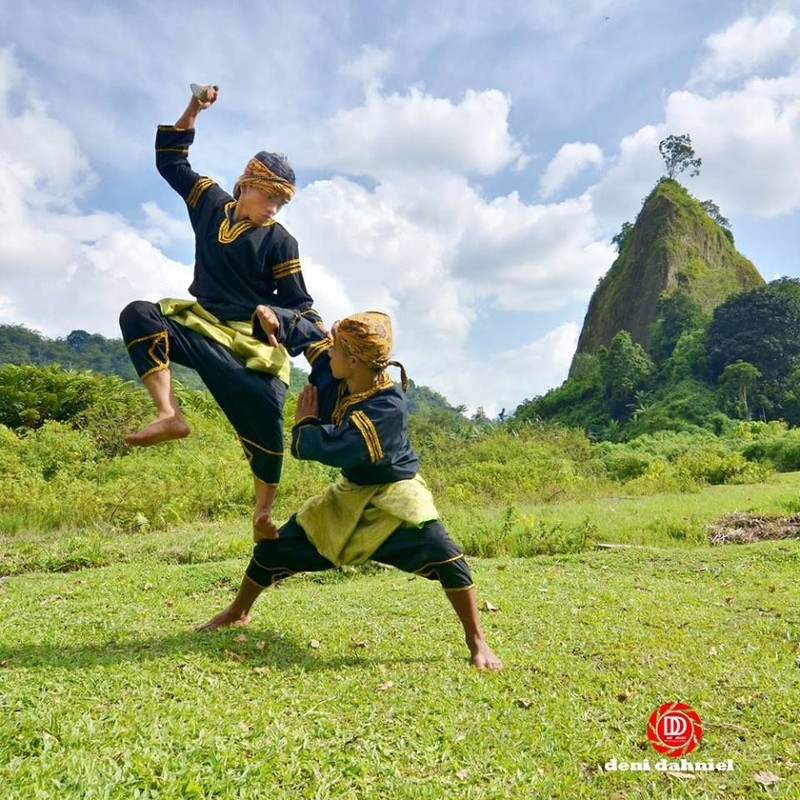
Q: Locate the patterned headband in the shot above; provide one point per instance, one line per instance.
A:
(261, 177)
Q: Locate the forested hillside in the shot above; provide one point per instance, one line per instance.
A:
(675, 245)
(703, 372)
(64, 463)
(82, 351)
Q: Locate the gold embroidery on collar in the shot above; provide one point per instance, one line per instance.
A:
(346, 400)
(228, 232)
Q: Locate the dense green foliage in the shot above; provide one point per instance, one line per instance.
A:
(760, 327)
(63, 462)
(79, 350)
(740, 363)
(681, 334)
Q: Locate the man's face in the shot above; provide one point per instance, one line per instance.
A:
(340, 363)
(257, 206)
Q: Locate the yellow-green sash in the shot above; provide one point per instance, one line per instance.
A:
(235, 336)
(347, 523)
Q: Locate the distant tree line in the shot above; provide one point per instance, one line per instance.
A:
(81, 351)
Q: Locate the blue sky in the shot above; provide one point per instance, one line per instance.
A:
(462, 165)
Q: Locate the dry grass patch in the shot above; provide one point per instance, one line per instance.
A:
(739, 528)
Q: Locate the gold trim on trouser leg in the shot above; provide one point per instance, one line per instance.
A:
(151, 351)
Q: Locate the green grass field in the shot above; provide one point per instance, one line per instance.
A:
(356, 685)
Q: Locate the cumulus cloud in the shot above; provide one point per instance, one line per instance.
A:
(63, 269)
(161, 227)
(533, 257)
(427, 246)
(398, 133)
(515, 374)
(749, 43)
(630, 176)
(368, 67)
(571, 159)
(747, 138)
(41, 159)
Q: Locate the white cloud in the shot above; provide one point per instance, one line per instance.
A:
(396, 134)
(39, 156)
(62, 269)
(747, 138)
(512, 375)
(532, 257)
(749, 43)
(568, 162)
(368, 67)
(443, 228)
(161, 227)
(617, 197)
(425, 245)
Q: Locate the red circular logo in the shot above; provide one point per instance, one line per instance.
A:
(674, 729)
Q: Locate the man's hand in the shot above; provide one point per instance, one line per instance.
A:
(206, 96)
(307, 403)
(188, 119)
(269, 323)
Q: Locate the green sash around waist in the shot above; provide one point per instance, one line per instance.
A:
(347, 523)
(234, 336)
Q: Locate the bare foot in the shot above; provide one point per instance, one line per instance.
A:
(161, 429)
(224, 619)
(263, 526)
(483, 657)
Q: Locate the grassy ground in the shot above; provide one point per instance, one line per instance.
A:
(357, 685)
(666, 520)
(673, 519)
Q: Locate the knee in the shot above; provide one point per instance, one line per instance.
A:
(134, 311)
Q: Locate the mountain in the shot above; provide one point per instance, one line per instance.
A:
(674, 244)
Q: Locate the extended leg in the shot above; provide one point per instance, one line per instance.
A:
(430, 553)
(466, 607)
(273, 560)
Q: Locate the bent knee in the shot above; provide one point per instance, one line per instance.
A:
(132, 314)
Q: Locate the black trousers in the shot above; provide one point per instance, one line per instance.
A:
(252, 401)
(427, 551)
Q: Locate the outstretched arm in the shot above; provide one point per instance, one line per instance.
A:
(172, 153)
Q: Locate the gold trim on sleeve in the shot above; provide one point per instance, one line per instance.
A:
(367, 430)
(200, 186)
(286, 268)
(314, 351)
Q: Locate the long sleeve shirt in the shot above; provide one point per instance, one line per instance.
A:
(364, 434)
(238, 265)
